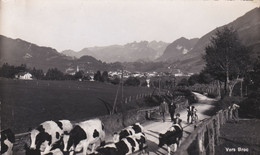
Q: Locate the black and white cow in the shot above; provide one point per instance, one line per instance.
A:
(85, 133)
(128, 131)
(66, 126)
(172, 137)
(53, 151)
(125, 146)
(49, 133)
(7, 141)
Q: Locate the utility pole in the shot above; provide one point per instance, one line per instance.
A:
(122, 83)
(160, 86)
(241, 88)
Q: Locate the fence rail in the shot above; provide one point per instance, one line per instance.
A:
(205, 137)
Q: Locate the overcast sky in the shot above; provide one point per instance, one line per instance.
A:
(76, 24)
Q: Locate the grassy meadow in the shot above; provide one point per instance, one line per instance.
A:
(25, 104)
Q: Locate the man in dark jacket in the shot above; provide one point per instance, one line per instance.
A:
(172, 108)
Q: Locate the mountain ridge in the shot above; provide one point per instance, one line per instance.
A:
(129, 52)
(177, 49)
(248, 29)
(18, 51)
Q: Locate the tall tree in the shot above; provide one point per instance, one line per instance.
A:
(105, 76)
(226, 58)
(79, 75)
(183, 82)
(37, 73)
(97, 76)
(54, 74)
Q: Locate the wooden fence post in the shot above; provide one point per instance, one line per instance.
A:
(211, 138)
(217, 127)
(201, 142)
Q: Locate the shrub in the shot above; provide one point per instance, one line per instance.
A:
(187, 93)
(152, 101)
(250, 107)
(132, 81)
(212, 95)
(183, 82)
(115, 81)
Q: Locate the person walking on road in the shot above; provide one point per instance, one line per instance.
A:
(194, 116)
(172, 108)
(163, 109)
(235, 112)
(189, 114)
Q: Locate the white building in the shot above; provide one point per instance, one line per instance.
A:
(24, 76)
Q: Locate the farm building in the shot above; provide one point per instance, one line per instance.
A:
(24, 76)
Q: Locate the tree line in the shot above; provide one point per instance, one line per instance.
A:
(10, 71)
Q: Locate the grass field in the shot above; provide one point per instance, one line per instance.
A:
(240, 138)
(25, 104)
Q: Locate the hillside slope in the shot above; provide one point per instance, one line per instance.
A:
(17, 52)
(248, 29)
(178, 49)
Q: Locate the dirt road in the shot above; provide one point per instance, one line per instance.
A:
(153, 128)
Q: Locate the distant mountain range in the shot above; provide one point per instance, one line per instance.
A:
(135, 51)
(182, 54)
(17, 52)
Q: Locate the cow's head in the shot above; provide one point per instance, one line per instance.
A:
(8, 134)
(126, 132)
(34, 134)
(39, 140)
(138, 127)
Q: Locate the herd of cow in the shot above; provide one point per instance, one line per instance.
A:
(62, 137)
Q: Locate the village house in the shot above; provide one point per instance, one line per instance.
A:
(24, 76)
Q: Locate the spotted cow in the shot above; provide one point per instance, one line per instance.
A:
(47, 134)
(125, 146)
(128, 131)
(172, 137)
(7, 141)
(85, 133)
